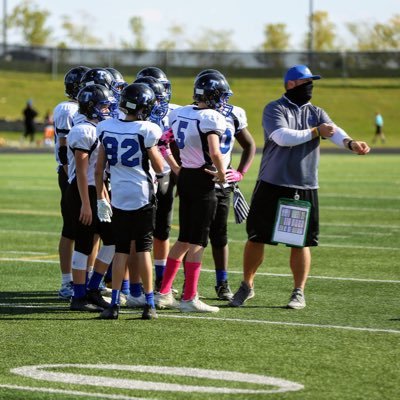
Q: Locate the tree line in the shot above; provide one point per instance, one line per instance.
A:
(32, 23)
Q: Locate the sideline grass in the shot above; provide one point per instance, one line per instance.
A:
(344, 345)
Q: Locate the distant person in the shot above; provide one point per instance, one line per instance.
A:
(48, 130)
(379, 128)
(285, 198)
(29, 114)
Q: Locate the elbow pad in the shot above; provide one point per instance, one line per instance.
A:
(62, 155)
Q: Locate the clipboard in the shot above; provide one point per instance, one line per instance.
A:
(291, 222)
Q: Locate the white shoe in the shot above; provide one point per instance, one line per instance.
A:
(135, 302)
(122, 299)
(165, 301)
(196, 305)
(66, 291)
(297, 300)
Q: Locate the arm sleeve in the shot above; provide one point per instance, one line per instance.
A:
(290, 137)
(339, 136)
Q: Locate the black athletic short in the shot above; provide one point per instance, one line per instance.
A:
(263, 207)
(84, 234)
(165, 201)
(137, 225)
(219, 226)
(197, 205)
(67, 228)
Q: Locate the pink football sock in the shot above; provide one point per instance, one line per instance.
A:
(171, 269)
(192, 273)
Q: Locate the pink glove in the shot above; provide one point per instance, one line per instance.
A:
(233, 176)
(164, 150)
(167, 136)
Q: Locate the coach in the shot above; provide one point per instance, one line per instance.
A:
(284, 205)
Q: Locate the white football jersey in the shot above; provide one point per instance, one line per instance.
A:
(63, 122)
(235, 122)
(83, 137)
(191, 125)
(126, 144)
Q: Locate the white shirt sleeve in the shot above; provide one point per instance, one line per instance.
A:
(338, 137)
(286, 137)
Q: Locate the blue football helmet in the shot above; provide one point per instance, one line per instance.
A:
(160, 109)
(214, 91)
(160, 75)
(138, 99)
(91, 100)
(72, 81)
(118, 82)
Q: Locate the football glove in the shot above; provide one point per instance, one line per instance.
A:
(167, 136)
(104, 210)
(233, 176)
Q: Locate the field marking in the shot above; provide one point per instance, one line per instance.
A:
(284, 323)
(249, 321)
(73, 392)
(39, 372)
(338, 278)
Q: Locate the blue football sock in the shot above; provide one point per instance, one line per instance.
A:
(150, 299)
(135, 289)
(125, 287)
(79, 291)
(114, 297)
(159, 270)
(221, 275)
(95, 280)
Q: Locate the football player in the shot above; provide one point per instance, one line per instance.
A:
(197, 130)
(167, 182)
(63, 121)
(130, 148)
(94, 102)
(236, 130)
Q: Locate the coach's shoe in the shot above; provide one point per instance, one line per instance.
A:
(94, 296)
(243, 294)
(149, 312)
(82, 304)
(66, 291)
(196, 305)
(135, 302)
(111, 312)
(224, 291)
(163, 301)
(297, 300)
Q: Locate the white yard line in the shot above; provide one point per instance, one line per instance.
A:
(283, 323)
(248, 321)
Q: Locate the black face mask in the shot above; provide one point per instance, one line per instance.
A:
(300, 94)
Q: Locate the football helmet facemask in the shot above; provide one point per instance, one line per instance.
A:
(214, 91)
(160, 75)
(92, 99)
(160, 109)
(72, 80)
(137, 99)
(118, 82)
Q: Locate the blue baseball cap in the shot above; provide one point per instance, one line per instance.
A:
(299, 72)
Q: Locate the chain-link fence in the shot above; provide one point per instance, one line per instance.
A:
(187, 63)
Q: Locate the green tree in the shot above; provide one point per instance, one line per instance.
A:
(276, 38)
(79, 34)
(30, 21)
(175, 39)
(377, 36)
(213, 40)
(136, 25)
(324, 35)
